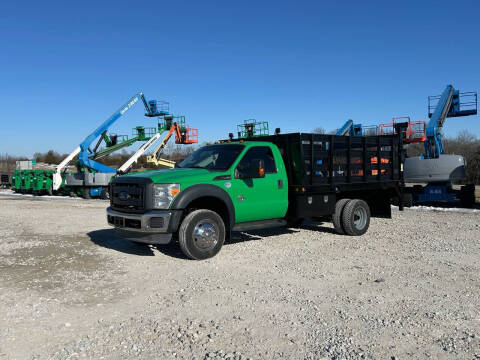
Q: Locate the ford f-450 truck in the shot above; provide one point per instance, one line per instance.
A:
(259, 182)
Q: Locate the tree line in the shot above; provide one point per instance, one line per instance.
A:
(175, 153)
(465, 143)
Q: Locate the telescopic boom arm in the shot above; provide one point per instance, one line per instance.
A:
(84, 152)
(134, 158)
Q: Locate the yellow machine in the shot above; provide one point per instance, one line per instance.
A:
(183, 135)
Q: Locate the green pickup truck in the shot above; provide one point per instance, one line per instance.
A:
(259, 182)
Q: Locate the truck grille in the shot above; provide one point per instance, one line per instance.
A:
(128, 197)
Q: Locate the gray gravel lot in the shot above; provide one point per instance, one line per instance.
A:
(70, 289)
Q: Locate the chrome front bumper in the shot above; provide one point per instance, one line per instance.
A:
(149, 228)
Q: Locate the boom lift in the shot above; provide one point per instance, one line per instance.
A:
(349, 128)
(435, 167)
(140, 133)
(183, 135)
(94, 177)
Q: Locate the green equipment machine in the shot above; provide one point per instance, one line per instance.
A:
(42, 182)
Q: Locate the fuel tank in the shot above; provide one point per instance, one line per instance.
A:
(444, 168)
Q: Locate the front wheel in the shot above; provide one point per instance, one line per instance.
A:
(201, 234)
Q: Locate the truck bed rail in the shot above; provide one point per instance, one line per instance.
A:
(317, 159)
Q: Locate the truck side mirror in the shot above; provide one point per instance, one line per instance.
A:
(257, 169)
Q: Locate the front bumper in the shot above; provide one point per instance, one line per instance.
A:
(153, 227)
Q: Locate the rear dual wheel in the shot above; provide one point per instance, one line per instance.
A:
(351, 217)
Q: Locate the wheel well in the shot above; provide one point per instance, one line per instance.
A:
(211, 203)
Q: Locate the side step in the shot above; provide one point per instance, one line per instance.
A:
(257, 225)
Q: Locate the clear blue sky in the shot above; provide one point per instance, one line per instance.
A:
(66, 66)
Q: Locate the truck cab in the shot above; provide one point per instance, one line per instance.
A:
(240, 185)
(217, 187)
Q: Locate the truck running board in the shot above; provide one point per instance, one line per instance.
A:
(257, 225)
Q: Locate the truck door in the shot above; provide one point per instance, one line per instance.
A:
(260, 198)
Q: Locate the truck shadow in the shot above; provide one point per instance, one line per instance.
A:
(107, 238)
(252, 235)
(238, 237)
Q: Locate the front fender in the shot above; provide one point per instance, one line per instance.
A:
(194, 192)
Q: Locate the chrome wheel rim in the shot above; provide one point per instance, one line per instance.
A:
(205, 235)
(360, 218)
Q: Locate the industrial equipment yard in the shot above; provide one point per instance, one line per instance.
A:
(70, 288)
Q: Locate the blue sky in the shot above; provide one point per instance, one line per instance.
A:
(66, 66)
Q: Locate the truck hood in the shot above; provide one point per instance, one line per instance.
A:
(178, 175)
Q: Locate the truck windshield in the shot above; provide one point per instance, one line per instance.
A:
(213, 157)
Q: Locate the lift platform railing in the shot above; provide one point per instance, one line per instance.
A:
(370, 130)
(463, 104)
(184, 134)
(143, 133)
(157, 108)
(191, 136)
(412, 131)
(251, 128)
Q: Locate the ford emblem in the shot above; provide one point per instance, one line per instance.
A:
(123, 196)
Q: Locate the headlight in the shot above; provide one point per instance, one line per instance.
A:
(163, 195)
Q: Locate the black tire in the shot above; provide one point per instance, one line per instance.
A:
(196, 246)
(50, 191)
(356, 217)
(86, 193)
(337, 216)
(467, 196)
(407, 200)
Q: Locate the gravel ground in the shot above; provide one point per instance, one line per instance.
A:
(71, 289)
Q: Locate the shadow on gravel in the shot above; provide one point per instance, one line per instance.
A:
(238, 237)
(109, 239)
(172, 250)
(319, 227)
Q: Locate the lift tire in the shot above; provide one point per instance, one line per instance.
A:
(86, 193)
(467, 196)
(50, 191)
(337, 216)
(201, 234)
(356, 217)
(407, 199)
